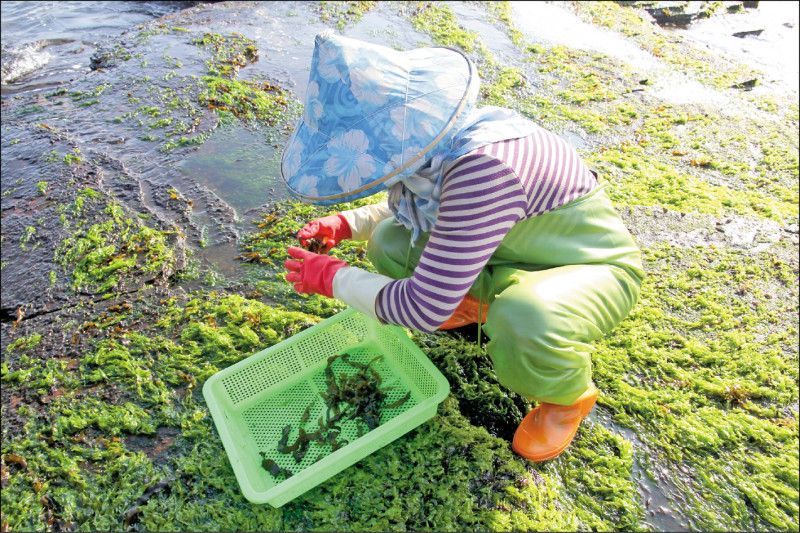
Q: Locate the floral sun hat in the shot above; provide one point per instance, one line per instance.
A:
(374, 115)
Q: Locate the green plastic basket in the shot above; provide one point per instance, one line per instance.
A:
(252, 401)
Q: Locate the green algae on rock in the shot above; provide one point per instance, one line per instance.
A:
(162, 378)
(105, 253)
(249, 101)
(344, 13)
(148, 380)
(708, 384)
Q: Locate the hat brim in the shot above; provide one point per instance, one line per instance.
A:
(348, 146)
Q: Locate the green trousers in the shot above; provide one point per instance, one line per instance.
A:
(556, 283)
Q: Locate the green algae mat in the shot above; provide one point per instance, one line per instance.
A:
(127, 286)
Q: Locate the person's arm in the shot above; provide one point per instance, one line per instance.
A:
(481, 200)
(363, 220)
(311, 272)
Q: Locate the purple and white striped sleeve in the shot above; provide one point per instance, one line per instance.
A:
(482, 199)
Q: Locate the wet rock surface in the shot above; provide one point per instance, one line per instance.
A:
(49, 197)
(685, 230)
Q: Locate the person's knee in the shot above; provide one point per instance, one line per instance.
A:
(390, 251)
(537, 348)
(521, 317)
(384, 249)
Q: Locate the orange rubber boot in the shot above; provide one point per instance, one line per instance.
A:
(548, 429)
(467, 312)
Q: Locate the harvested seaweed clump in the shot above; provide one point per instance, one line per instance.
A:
(272, 467)
(360, 392)
(318, 246)
(358, 397)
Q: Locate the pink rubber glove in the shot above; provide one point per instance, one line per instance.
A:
(333, 227)
(313, 273)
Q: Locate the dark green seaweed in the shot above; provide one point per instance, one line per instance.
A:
(358, 397)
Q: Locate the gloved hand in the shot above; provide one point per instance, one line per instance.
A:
(313, 273)
(330, 229)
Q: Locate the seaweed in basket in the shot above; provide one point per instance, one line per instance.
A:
(358, 397)
(272, 467)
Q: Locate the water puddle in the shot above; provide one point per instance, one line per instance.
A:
(554, 25)
(658, 496)
(285, 34)
(550, 24)
(223, 257)
(772, 26)
(240, 166)
(694, 230)
(474, 19)
(681, 88)
(43, 47)
(383, 25)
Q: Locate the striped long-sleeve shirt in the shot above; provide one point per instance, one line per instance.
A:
(484, 193)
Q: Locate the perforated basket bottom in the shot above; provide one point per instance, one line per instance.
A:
(266, 419)
(252, 402)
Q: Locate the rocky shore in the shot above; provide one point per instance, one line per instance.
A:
(144, 229)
